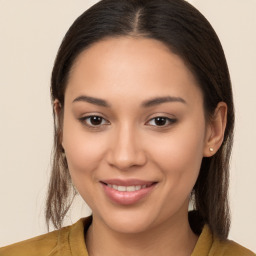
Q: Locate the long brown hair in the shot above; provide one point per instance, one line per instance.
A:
(188, 34)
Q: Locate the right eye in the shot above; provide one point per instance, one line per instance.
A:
(94, 121)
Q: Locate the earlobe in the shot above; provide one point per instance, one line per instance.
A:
(215, 130)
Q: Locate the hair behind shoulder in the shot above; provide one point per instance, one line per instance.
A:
(188, 34)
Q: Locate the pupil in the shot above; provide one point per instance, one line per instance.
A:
(160, 121)
(96, 120)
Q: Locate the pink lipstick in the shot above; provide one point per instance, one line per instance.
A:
(127, 192)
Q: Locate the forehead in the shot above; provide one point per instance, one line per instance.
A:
(128, 66)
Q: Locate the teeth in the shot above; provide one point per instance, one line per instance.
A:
(121, 188)
(127, 188)
(131, 188)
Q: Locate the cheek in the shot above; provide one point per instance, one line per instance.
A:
(84, 153)
(179, 157)
(84, 150)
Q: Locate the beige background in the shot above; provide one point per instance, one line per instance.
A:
(30, 33)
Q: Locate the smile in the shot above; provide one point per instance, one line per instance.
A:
(127, 188)
(127, 192)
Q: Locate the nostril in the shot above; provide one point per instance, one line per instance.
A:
(125, 159)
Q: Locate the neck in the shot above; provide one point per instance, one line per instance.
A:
(170, 238)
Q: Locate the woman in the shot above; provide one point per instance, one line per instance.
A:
(143, 126)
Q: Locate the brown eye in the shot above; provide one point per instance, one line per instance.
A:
(93, 121)
(161, 121)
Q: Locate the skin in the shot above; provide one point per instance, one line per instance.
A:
(129, 143)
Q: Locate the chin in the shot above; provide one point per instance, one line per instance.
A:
(129, 222)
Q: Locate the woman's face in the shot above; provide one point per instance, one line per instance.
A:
(134, 133)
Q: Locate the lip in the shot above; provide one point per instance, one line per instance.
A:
(128, 182)
(125, 197)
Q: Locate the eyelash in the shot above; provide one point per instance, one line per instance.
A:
(166, 119)
(84, 120)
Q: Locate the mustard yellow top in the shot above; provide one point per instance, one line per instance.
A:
(69, 241)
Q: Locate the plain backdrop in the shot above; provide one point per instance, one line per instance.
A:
(30, 34)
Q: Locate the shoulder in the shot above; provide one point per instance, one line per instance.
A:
(230, 248)
(211, 245)
(49, 244)
(40, 245)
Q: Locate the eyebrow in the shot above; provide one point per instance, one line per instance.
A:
(147, 103)
(160, 100)
(92, 100)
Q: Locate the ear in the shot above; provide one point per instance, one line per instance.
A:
(57, 110)
(57, 107)
(215, 130)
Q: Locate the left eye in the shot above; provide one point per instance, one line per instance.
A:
(161, 121)
(94, 121)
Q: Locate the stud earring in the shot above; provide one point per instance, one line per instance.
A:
(211, 149)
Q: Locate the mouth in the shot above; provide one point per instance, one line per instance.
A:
(127, 192)
(127, 188)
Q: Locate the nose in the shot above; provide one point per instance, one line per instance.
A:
(126, 149)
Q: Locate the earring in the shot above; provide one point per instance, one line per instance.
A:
(211, 149)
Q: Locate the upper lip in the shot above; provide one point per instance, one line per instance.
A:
(127, 182)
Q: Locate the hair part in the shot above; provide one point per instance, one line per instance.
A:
(188, 34)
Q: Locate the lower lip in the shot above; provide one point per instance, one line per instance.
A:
(127, 198)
